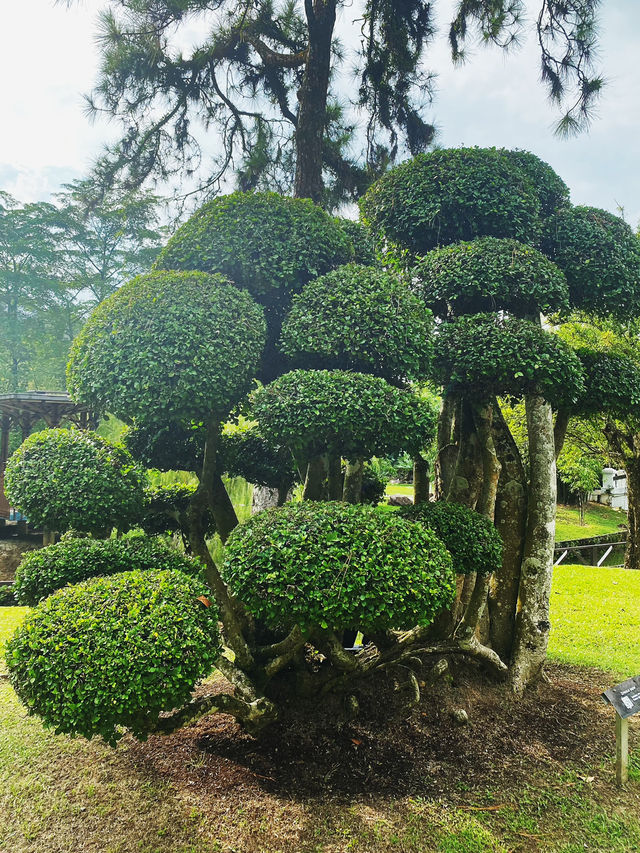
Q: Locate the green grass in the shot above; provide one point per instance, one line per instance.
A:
(399, 489)
(598, 521)
(595, 618)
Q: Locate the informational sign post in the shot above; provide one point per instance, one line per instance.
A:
(625, 700)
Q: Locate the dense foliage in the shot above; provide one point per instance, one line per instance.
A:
(363, 319)
(612, 384)
(265, 243)
(552, 191)
(489, 274)
(44, 571)
(245, 453)
(600, 257)
(364, 249)
(167, 507)
(471, 539)
(186, 342)
(62, 479)
(114, 652)
(351, 414)
(338, 566)
(165, 445)
(486, 355)
(451, 195)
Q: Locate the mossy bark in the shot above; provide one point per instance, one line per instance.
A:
(466, 482)
(532, 618)
(352, 493)
(316, 481)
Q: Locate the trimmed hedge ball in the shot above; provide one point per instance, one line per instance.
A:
(360, 318)
(44, 571)
(183, 344)
(490, 274)
(485, 355)
(600, 257)
(473, 542)
(551, 190)
(451, 195)
(67, 478)
(364, 249)
(265, 243)
(335, 565)
(612, 384)
(114, 652)
(353, 414)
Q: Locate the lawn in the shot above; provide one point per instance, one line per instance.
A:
(598, 521)
(524, 778)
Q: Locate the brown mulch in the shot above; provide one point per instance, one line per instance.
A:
(311, 753)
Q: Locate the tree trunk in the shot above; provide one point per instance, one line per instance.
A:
(315, 484)
(353, 482)
(447, 446)
(532, 620)
(511, 523)
(264, 498)
(420, 480)
(335, 477)
(632, 552)
(491, 467)
(312, 115)
(466, 482)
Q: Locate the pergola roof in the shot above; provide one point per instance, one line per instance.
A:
(52, 406)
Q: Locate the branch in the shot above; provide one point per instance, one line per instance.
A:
(253, 715)
(281, 60)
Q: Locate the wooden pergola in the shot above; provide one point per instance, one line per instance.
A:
(23, 410)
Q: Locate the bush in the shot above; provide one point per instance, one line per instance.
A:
(268, 244)
(338, 566)
(245, 453)
(62, 479)
(166, 510)
(612, 384)
(364, 249)
(489, 274)
(114, 652)
(451, 195)
(7, 596)
(168, 343)
(351, 414)
(552, 191)
(473, 542)
(44, 571)
(600, 257)
(373, 486)
(166, 446)
(486, 355)
(363, 319)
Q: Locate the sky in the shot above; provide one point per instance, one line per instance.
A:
(49, 59)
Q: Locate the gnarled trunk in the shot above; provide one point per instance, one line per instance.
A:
(466, 482)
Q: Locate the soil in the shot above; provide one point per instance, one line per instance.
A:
(423, 751)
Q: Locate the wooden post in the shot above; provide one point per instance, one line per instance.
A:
(622, 750)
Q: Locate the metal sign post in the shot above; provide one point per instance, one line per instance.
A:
(625, 700)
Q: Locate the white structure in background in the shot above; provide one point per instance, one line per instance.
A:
(614, 490)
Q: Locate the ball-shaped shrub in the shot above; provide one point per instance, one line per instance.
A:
(44, 571)
(114, 652)
(166, 445)
(612, 384)
(600, 257)
(552, 191)
(373, 486)
(451, 195)
(363, 319)
(489, 274)
(268, 244)
(245, 453)
(182, 344)
(68, 478)
(484, 355)
(353, 414)
(473, 542)
(339, 566)
(364, 250)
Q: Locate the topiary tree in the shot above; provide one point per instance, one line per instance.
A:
(42, 572)
(70, 479)
(164, 445)
(363, 319)
(364, 249)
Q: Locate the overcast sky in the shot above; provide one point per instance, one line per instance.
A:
(48, 59)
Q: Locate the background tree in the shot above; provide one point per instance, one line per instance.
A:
(267, 79)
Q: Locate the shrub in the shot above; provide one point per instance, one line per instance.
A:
(352, 414)
(489, 274)
(268, 244)
(612, 384)
(364, 249)
(373, 486)
(114, 652)
(363, 319)
(44, 571)
(165, 445)
(166, 510)
(245, 453)
(600, 257)
(62, 479)
(185, 344)
(552, 191)
(485, 355)
(338, 566)
(7, 596)
(451, 195)
(473, 542)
